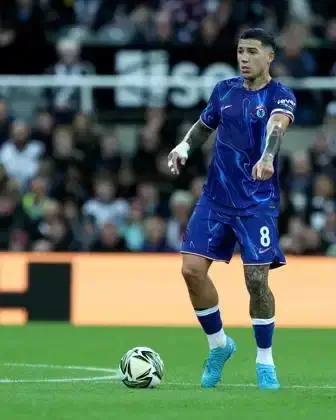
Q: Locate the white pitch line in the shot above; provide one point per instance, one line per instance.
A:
(114, 375)
(68, 367)
(311, 387)
(223, 385)
(58, 380)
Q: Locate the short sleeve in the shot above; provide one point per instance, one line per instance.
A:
(284, 102)
(210, 115)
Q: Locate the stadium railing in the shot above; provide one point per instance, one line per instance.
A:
(86, 84)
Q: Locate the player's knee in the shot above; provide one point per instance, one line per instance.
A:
(254, 286)
(190, 271)
(193, 274)
(194, 271)
(256, 279)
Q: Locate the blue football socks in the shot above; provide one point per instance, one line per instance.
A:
(211, 322)
(263, 332)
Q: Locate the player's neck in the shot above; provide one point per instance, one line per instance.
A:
(257, 83)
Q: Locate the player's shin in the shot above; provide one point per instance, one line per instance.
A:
(263, 332)
(210, 319)
(204, 298)
(262, 311)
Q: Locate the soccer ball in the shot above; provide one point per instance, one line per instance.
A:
(141, 367)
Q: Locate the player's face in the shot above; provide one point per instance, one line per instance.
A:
(253, 58)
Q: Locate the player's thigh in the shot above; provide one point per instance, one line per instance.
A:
(258, 238)
(209, 235)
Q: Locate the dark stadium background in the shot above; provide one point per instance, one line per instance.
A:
(121, 149)
(68, 314)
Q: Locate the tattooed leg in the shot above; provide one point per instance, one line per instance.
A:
(262, 303)
(262, 309)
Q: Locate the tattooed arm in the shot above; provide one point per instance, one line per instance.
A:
(195, 137)
(276, 127)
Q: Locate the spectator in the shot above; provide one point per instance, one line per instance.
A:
(163, 175)
(86, 136)
(70, 185)
(94, 14)
(20, 154)
(35, 200)
(301, 183)
(53, 232)
(143, 162)
(42, 130)
(9, 214)
(301, 239)
(109, 240)
(133, 229)
(60, 236)
(329, 234)
(181, 205)
(209, 31)
(103, 207)
(149, 196)
(186, 17)
(46, 169)
(3, 179)
(329, 129)
(141, 18)
(42, 245)
(295, 61)
(18, 241)
(57, 14)
(321, 159)
(286, 212)
(155, 239)
(229, 22)
(127, 186)
(82, 228)
(322, 203)
(64, 102)
(7, 36)
(52, 212)
(5, 121)
(163, 29)
(109, 156)
(331, 31)
(218, 29)
(64, 148)
(26, 19)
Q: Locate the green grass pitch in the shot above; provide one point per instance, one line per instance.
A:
(58, 372)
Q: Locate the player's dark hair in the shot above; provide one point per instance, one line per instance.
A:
(260, 35)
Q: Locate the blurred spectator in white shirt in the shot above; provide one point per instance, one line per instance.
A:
(20, 154)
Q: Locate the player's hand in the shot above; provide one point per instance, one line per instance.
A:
(178, 157)
(263, 169)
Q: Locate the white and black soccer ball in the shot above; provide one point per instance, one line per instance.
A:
(141, 367)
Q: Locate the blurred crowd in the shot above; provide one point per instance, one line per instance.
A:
(300, 27)
(69, 187)
(66, 182)
(209, 22)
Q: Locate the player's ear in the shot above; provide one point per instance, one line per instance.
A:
(271, 57)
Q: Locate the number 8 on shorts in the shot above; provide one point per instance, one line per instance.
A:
(265, 239)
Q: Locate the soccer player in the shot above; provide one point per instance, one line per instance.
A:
(239, 201)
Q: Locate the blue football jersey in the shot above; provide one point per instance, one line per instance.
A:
(240, 117)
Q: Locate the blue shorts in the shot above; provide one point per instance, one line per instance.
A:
(214, 235)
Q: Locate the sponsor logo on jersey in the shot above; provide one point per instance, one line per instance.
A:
(286, 102)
